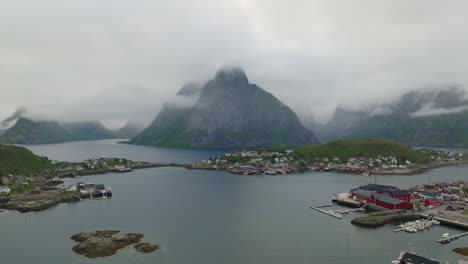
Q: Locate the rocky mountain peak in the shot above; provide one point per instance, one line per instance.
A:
(231, 76)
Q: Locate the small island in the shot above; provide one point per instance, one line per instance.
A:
(106, 243)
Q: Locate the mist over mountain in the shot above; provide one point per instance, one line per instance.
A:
(27, 131)
(129, 130)
(88, 130)
(436, 117)
(228, 112)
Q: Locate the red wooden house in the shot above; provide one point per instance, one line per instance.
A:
(403, 195)
(431, 202)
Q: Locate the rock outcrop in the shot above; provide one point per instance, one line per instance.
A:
(106, 243)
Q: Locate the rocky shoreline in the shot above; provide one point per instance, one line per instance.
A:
(100, 244)
(40, 200)
(380, 219)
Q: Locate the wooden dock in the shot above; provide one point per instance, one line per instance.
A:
(322, 206)
(448, 239)
(326, 212)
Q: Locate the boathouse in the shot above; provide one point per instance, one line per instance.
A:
(403, 195)
(393, 204)
(431, 202)
(362, 195)
(378, 188)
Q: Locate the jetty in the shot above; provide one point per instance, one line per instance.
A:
(330, 213)
(446, 240)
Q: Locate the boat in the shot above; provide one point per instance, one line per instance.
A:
(334, 198)
(109, 192)
(366, 173)
(445, 235)
(2, 210)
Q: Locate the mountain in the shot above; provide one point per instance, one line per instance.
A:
(88, 130)
(129, 130)
(19, 160)
(27, 131)
(434, 117)
(362, 147)
(2, 131)
(226, 112)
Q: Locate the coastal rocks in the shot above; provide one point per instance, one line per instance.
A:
(146, 247)
(38, 202)
(461, 251)
(106, 243)
(381, 219)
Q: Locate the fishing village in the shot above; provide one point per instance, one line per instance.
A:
(41, 190)
(413, 210)
(283, 161)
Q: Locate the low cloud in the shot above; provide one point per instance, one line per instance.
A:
(430, 110)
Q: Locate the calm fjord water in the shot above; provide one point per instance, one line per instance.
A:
(214, 217)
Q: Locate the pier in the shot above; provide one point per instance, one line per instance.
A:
(450, 238)
(327, 213)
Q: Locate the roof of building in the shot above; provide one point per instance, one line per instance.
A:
(380, 195)
(364, 193)
(378, 187)
(401, 192)
(4, 188)
(390, 200)
(430, 194)
(443, 184)
(432, 199)
(418, 259)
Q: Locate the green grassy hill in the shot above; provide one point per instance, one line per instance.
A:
(27, 131)
(19, 160)
(362, 147)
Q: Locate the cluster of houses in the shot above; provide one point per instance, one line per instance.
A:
(393, 198)
(118, 164)
(444, 155)
(359, 164)
(96, 190)
(252, 158)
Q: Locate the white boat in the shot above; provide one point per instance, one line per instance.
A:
(445, 235)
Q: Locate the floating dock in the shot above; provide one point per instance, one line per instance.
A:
(327, 213)
(448, 239)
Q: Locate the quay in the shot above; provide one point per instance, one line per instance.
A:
(349, 202)
(327, 213)
(448, 239)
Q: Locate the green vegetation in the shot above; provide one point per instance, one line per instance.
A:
(373, 219)
(362, 147)
(26, 131)
(271, 149)
(22, 188)
(19, 160)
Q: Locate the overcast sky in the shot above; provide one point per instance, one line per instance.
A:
(116, 60)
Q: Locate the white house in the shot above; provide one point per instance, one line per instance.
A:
(4, 190)
(71, 188)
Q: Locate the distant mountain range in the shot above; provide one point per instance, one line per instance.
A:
(27, 131)
(430, 117)
(226, 112)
